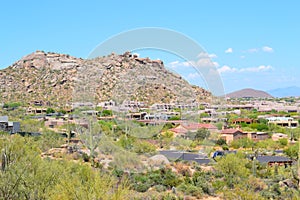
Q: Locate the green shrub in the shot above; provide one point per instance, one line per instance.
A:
(143, 147)
(225, 147)
(12, 105)
(160, 188)
(175, 118)
(283, 141)
(189, 189)
(106, 113)
(85, 157)
(221, 142)
(50, 110)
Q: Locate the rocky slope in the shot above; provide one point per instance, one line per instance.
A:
(61, 79)
(249, 93)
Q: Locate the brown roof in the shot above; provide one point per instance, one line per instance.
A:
(231, 131)
(243, 120)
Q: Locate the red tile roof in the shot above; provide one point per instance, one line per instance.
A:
(196, 126)
(179, 129)
(184, 128)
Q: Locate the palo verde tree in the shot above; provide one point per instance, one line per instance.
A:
(233, 168)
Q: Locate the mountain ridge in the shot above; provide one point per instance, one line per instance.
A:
(248, 93)
(291, 91)
(61, 79)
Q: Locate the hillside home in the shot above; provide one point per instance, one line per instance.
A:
(160, 116)
(53, 123)
(182, 129)
(133, 104)
(156, 116)
(40, 103)
(243, 121)
(7, 126)
(137, 116)
(283, 121)
(274, 160)
(162, 107)
(232, 134)
(174, 155)
(258, 136)
(171, 106)
(33, 110)
(82, 104)
(107, 105)
(210, 119)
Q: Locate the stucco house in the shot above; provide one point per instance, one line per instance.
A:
(182, 129)
(232, 134)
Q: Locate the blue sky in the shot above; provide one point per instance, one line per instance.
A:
(252, 43)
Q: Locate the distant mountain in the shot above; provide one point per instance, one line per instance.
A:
(285, 92)
(249, 93)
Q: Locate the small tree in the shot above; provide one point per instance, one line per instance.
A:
(233, 168)
(106, 113)
(202, 134)
(293, 151)
(221, 142)
(50, 110)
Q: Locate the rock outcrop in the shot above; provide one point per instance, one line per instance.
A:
(61, 79)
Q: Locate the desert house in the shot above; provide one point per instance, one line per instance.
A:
(182, 129)
(7, 126)
(283, 121)
(274, 160)
(258, 136)
(232, 134)
(243, 121)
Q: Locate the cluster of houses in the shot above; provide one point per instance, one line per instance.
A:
(228, 134)
(165, 112)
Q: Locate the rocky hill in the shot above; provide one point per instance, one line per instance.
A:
(248, 93)
(61, 79)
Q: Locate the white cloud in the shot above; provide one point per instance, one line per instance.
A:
(204, 60)
(253, 50)
(206, 55)
(193, 75)
(229, 50)
(267, 49)
(261, 68)
(227, 69)
(177, 64)
(212, 56)
(264, 49)
(242, 57)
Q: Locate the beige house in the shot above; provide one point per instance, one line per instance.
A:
(183, 129)
(232, 134)
(283, 121)
(258, 136)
